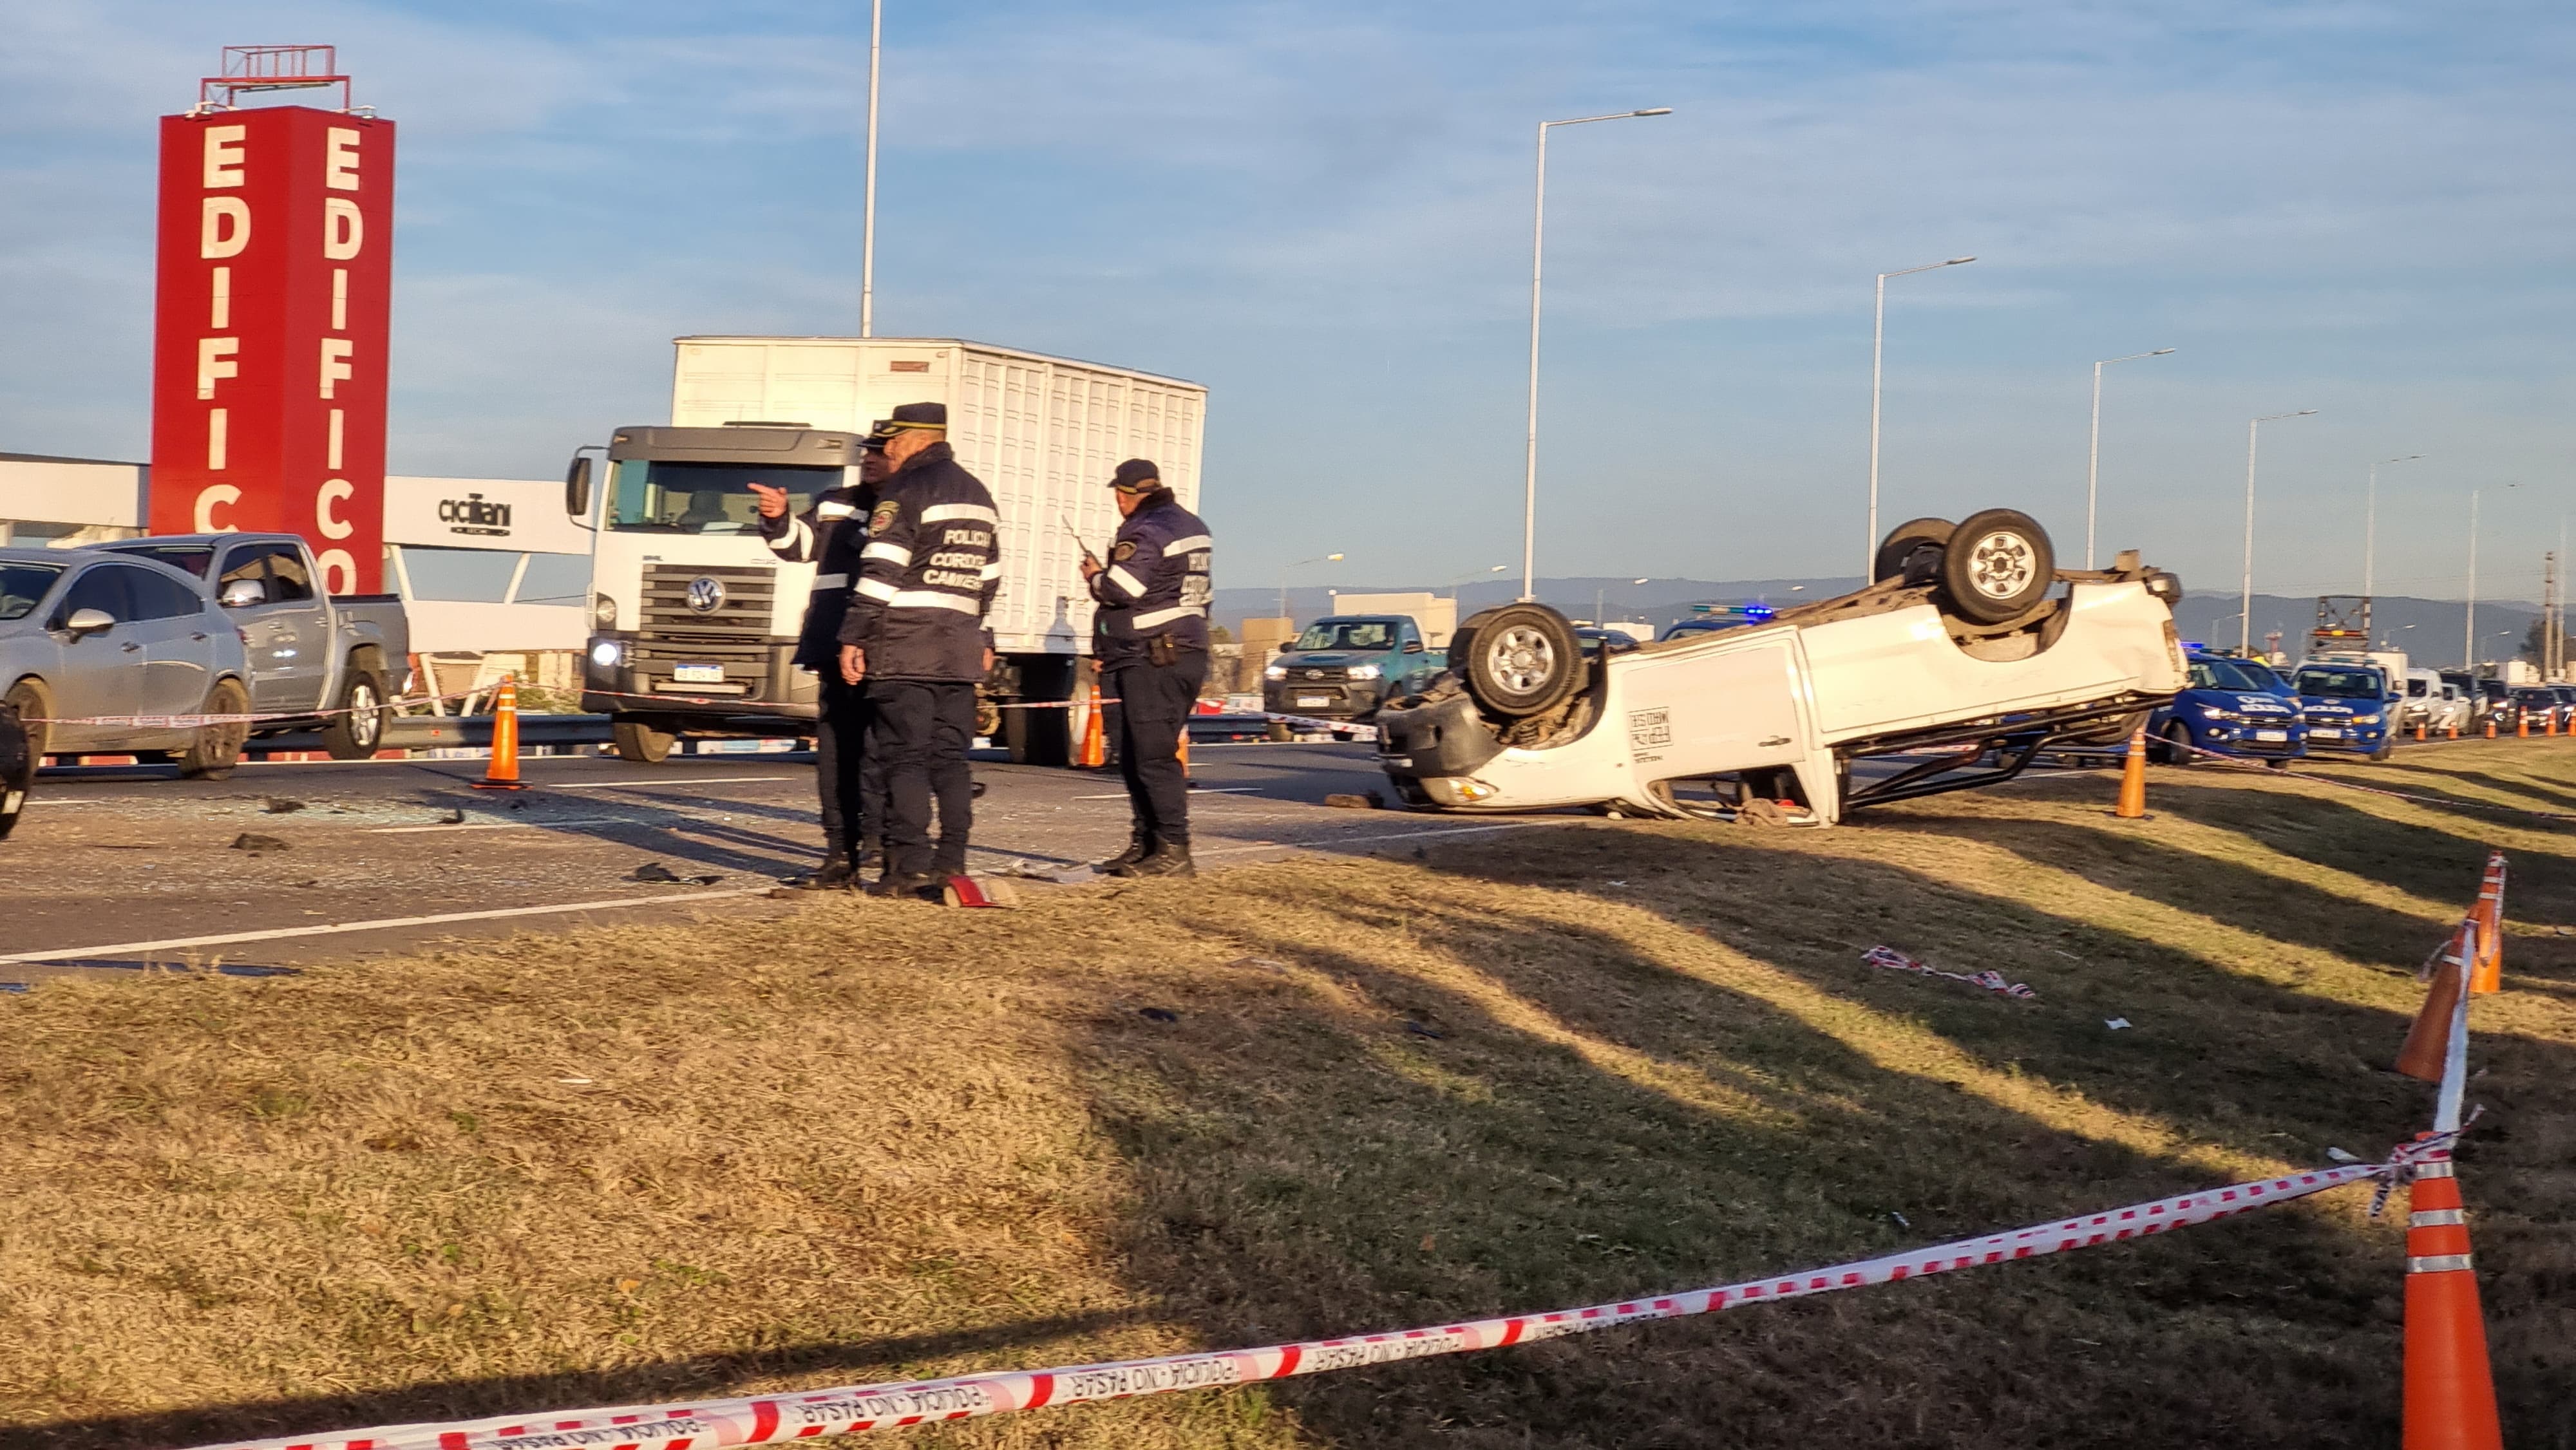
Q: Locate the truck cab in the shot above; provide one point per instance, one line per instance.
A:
(2350, 706)
(1346, 665)
(2232, 707)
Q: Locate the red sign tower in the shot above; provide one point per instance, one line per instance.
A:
(271, 316)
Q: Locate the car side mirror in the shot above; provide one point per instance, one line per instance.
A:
(1413, 646)
(242, 593)
(90, 621)
(577, 487)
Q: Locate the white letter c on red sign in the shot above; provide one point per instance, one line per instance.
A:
(211, 497)
(333, 490)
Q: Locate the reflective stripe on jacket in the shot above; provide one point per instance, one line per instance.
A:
(927, 574)
(1157, 582)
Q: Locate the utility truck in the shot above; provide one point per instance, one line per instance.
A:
(694, 621)
(1955, 669)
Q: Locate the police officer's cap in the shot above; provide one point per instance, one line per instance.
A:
(909, 416)
(1136, 475)
(874, 440)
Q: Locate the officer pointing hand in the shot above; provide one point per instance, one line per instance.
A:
(773, 500)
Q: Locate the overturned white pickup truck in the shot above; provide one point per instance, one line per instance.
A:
(1963, 661)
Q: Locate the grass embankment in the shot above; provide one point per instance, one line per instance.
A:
(881, 1141)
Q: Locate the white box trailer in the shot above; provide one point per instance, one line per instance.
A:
(1043, 433)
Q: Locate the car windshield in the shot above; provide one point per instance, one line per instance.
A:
(2213, 673)
(660, 497)
(23, 586)
(1348, 634)
(2355, 684)
(193, 558)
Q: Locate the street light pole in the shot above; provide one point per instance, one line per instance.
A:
(1877, 370)
(868, 209)
(2469, 622)
(2093, 465)
(2245, 635)
(2370, 521)
(1538, 252)
(1300, 564)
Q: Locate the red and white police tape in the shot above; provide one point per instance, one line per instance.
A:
(191, 722)
(772, 1419)
(1990, 979)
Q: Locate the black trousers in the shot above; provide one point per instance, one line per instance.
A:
(1153, 709)
(849, 776)
(922, 730)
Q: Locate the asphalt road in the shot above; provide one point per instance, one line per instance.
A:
(124, 869)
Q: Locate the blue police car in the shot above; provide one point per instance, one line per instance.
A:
(2348, 707)
(2231, 707)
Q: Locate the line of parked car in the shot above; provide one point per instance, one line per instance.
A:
(2339, 705)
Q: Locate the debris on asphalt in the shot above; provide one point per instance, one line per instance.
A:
(278, 805)
(1418, 1030)
(657, 872)
(1356, 801)
(1158, 1014)
(2116, 1024)
(247, 841)
(2340, 1156)
(1990, 979)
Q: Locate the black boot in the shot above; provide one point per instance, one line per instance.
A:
(1139, 846)
(871, 856)
(899, 885)
(1168, 858)
(837, 874)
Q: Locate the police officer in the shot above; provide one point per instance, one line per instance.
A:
(849, 777)
(1152, 643)
(915, 634)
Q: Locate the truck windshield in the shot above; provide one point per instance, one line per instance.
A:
(193, 558)
(23, 586)
(1348, 634)
(660, 497)
(2340, 684)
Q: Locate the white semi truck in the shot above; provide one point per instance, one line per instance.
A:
(694, 620)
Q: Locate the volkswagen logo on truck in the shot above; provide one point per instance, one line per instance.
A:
(706, 595)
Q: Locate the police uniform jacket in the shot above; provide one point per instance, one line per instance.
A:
(1156, 583)
(927, 574)
(829, 536)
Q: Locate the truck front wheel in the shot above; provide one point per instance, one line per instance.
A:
(1520, 660)
(638, 741)
(358, 728)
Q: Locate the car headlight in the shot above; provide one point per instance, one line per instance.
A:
(2365, 719)
(603, 611)
(1274, 672)
(2212, 712)
(608, 654)
(1365, 672)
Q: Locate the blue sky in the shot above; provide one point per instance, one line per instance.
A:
(1322, 211)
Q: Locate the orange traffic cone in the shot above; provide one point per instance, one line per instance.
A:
(2419, 732)
(2486, 966)
(2491, 727)
(2455, 730)
(2450, 1389)
(2133, 780)
(2521, 725)
(503, 772)
(1095, 740)
(2428, 1040)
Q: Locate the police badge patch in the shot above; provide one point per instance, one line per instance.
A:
(883, 518)
(1125, 551)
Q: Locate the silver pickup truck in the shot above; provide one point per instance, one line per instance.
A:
(315, 660)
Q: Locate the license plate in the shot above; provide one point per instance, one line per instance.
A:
(2271, 734)
(1313, 702)
(698, 674)
(2327, 732)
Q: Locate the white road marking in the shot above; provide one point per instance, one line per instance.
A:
(684, 780)
(497, 825)
(383, 924)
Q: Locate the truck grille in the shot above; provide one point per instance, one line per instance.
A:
(1316, 674)
(736, 629)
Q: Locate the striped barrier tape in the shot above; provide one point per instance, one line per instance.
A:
(1990, 979)
(771, 1419)
(191, 722)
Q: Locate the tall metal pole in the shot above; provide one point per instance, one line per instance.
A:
(868, 211)
(2370, 519)
(2093, 465)
(1538, 248)
(1877, 372)
(2469, 622)
(2253, 431)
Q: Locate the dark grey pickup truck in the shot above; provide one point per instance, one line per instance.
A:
(309, 652)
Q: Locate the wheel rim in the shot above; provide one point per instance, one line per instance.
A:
(2001, 565)
(1522, 659)
(364, 723)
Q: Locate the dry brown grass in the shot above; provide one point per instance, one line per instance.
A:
(881, 1141)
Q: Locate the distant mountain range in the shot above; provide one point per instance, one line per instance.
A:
(2429, 630)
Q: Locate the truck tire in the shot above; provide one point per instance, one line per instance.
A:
(17, 768)
(1913, 548)
(217, 748)
(33, 707)
(638, 741)
(1519, 660)
(358, 730)
(1997, 565)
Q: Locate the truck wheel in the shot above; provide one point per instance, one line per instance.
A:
(640, 742)
(1897, 553)
(217, 748)
(1520, 659)
(33, 707)
(357, 732)
(1997, 565)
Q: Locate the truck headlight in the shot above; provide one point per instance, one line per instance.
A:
(603, 611)
(1457, 790)
(608, 654)
(1365, 672)
(2365, 719)
(1274, 672)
